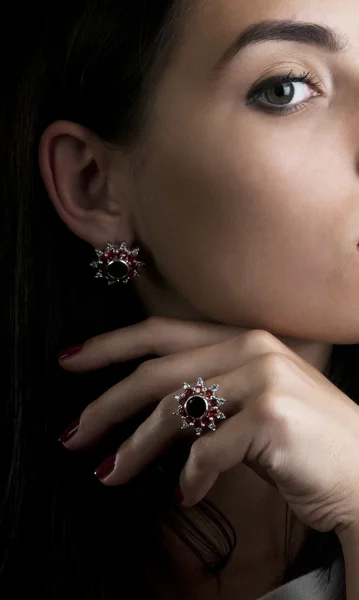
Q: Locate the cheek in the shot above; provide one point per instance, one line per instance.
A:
(249, 237)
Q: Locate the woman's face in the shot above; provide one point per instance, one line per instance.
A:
(252, 214)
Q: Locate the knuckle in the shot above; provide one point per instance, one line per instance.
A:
(151, 323)
(274, 367)
(263, 340)
(155, 323)
(266, 406)
(146, 370)
(154, 330)
(270, 411)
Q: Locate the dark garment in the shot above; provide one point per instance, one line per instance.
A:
(313, 586)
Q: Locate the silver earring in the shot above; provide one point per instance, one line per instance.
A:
(117, 263)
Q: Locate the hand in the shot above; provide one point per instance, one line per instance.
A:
(285, 420)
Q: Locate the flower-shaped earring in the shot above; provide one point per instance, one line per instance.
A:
(117, 264)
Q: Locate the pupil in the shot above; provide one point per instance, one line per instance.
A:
(283, 92)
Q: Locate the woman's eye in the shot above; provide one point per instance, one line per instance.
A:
(286, 96)
(284, 93)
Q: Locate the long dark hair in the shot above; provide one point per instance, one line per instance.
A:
(63, 534)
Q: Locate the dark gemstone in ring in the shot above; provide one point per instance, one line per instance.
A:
(196, 407)
(117, 269)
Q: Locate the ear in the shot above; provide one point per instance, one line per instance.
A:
(76, 169)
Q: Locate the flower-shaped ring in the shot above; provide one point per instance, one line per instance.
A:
(199, 407)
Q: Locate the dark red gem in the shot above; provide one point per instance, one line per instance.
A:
(196, 407)
(213, 414)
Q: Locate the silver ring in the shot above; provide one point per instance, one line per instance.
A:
(199, 407)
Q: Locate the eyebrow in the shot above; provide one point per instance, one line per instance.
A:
(285, 30)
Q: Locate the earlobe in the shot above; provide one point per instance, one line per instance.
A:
(73, 165)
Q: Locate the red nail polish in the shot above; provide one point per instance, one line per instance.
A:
(69, 431)
(69, 352)
(105, 469)
(177, 496)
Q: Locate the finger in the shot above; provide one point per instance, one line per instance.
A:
(157, 336)
(156, 379)
(214, 454)
(148, 442)
(160, 430)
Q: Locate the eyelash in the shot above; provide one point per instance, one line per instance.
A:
(267, 85)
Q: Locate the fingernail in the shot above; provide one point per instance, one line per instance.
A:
(177, 496)
(106, 468)
(69, 351)
(69, 432)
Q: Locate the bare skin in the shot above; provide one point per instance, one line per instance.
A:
(248, 218)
